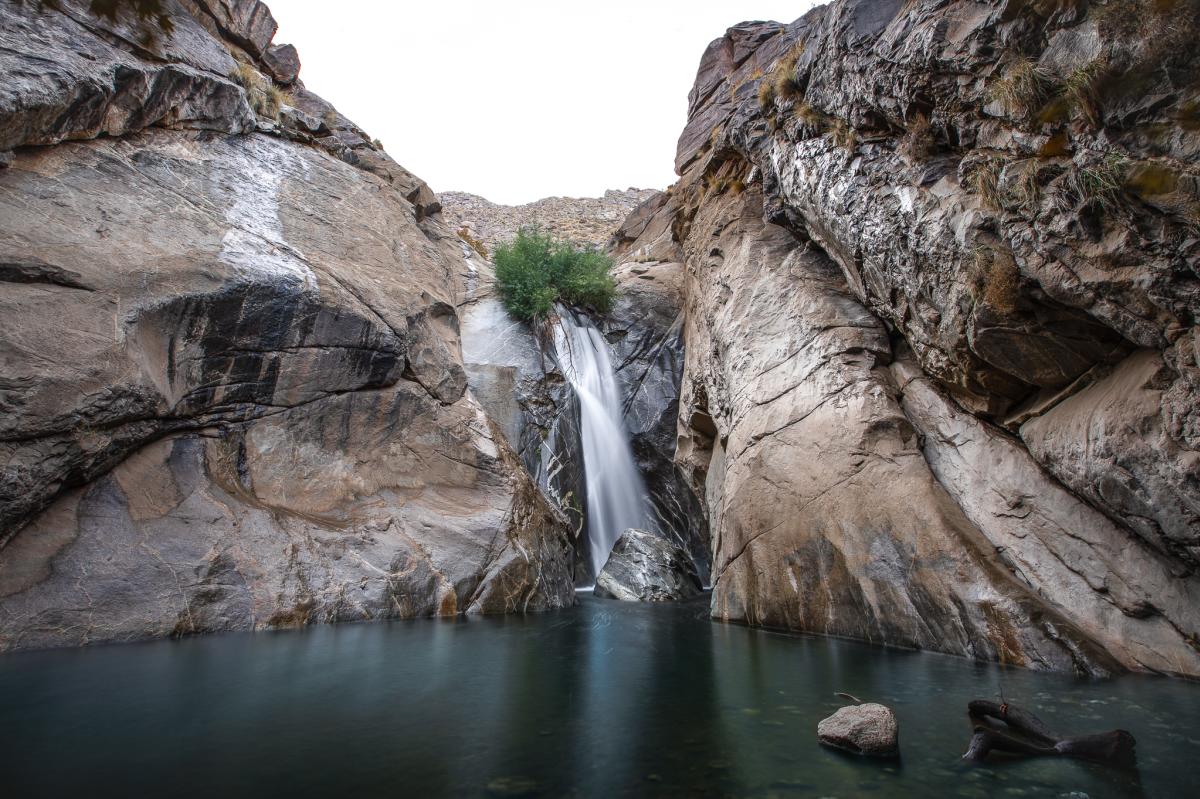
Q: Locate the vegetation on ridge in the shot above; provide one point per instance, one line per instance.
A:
(535, 270)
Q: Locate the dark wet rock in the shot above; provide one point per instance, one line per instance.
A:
(645, 330)
(867, 729)
(283, 63)
(246, 23)
(92, 85)
(645, 567)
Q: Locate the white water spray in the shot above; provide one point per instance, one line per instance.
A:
(615, 494)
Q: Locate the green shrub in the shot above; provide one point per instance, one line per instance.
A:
(534, 270)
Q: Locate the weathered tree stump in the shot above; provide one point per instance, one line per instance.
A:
(1002, 728)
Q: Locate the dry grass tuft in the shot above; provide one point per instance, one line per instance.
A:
(917, 143)
(766, 95)
(1023, 88)
(1024, 190)
(265, 98)
(1101, 184)
(843, 135)
(984, 182)
(783, 74)
(1081, 89)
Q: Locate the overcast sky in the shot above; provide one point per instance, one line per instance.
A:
(516, 100)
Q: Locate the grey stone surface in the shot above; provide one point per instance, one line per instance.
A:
(513, 374)
(283, 62)
(868, 729)
(91, 85)
(232, 394)
(645, 567)
(940, 386)
(645, 330)
(824, 514)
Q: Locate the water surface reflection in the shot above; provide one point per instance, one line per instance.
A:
(608, 699)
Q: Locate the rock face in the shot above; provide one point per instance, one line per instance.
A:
(940, 321)
(868, 729)
(645, 330)
(512, 372)
(232, 393)
(582, 220)
(512, 369)
(645, 567)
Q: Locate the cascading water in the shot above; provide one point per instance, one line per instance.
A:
(615, 493)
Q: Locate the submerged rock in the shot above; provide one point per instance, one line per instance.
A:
(869, 729)
(644, 567)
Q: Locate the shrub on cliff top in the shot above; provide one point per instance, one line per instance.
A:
(534, 270)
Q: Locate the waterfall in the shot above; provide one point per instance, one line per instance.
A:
(615, 493)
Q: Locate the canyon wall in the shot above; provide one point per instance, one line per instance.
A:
(232, 394)
(940, 385)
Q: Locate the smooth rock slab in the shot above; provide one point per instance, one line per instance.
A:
(869, 729)
(644, 567)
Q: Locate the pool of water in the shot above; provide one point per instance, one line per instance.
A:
(606, 699)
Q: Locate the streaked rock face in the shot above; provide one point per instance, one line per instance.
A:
(644, 567)
(232, 392)
(923, 408)
(645, 329)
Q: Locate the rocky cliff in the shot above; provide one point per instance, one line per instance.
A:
(587, 221)
(940, 298)
(232, 394)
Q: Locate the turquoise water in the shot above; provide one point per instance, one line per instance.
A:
(607, 699)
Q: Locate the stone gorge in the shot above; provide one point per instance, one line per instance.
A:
(909, 354)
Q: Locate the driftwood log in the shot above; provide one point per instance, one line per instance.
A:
(1003, 728)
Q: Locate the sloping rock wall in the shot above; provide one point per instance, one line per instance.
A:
(232, 391)
(940, 326)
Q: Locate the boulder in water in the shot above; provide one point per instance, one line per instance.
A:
(868, 729)
(645, 567)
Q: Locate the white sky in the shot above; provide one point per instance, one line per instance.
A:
(516, 100)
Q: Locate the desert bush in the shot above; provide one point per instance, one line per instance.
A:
(534, 270)
(1000, 279)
